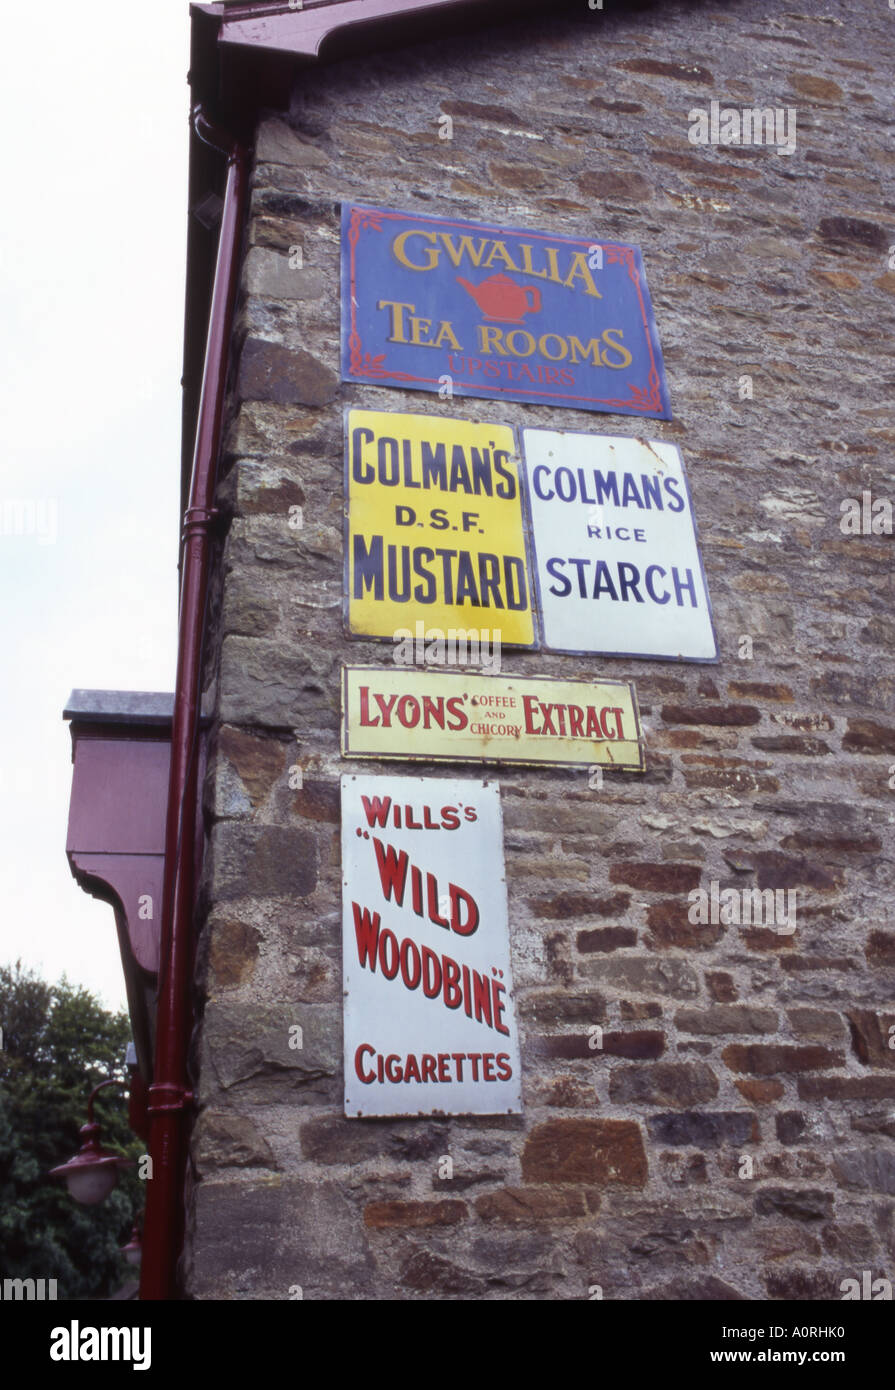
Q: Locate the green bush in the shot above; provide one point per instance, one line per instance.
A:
(58, 1043)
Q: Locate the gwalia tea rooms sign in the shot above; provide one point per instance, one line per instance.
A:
(470, 309)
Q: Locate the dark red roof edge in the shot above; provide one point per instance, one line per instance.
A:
(277, 27)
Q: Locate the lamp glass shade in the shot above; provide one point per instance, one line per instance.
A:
(91, 1183)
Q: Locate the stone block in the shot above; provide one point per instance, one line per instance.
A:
(677, 1084)
(601, 1152)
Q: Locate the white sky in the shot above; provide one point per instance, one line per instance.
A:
(92, 256)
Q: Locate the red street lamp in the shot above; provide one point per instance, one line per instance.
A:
(93, 1172)
(133, 1251)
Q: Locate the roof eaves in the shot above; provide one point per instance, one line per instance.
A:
(302, 31)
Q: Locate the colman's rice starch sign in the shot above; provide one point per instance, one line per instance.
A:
(617, 565)
(428, 1009)
(470, 309)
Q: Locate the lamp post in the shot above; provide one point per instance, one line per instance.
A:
(93, 1172)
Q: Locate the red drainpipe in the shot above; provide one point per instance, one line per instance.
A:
(169, 1096)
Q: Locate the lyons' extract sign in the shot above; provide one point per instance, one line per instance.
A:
(429, 1023)
(404, 713)
(434, 526)
(616, 559)
(470, 309)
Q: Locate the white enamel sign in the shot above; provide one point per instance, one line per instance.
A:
(428, 993)
(616, 558)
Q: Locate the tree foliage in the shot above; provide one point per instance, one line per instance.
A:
(57, 1044)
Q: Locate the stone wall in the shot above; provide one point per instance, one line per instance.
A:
(628, 1169)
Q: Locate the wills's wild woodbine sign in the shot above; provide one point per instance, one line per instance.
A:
(429, 1021)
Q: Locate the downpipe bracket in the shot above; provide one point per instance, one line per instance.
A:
(199, 519)
(164, 1098)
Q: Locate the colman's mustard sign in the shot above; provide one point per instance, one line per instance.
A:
(434, 527)
(469, 309)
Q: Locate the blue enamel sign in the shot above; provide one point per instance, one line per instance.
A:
(467, 309)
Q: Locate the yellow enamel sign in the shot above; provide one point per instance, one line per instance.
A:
(461, 716)
(434, 527)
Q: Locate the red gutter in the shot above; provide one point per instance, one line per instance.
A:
(169, 1095)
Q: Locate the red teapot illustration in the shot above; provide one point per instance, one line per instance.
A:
(502, 299)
